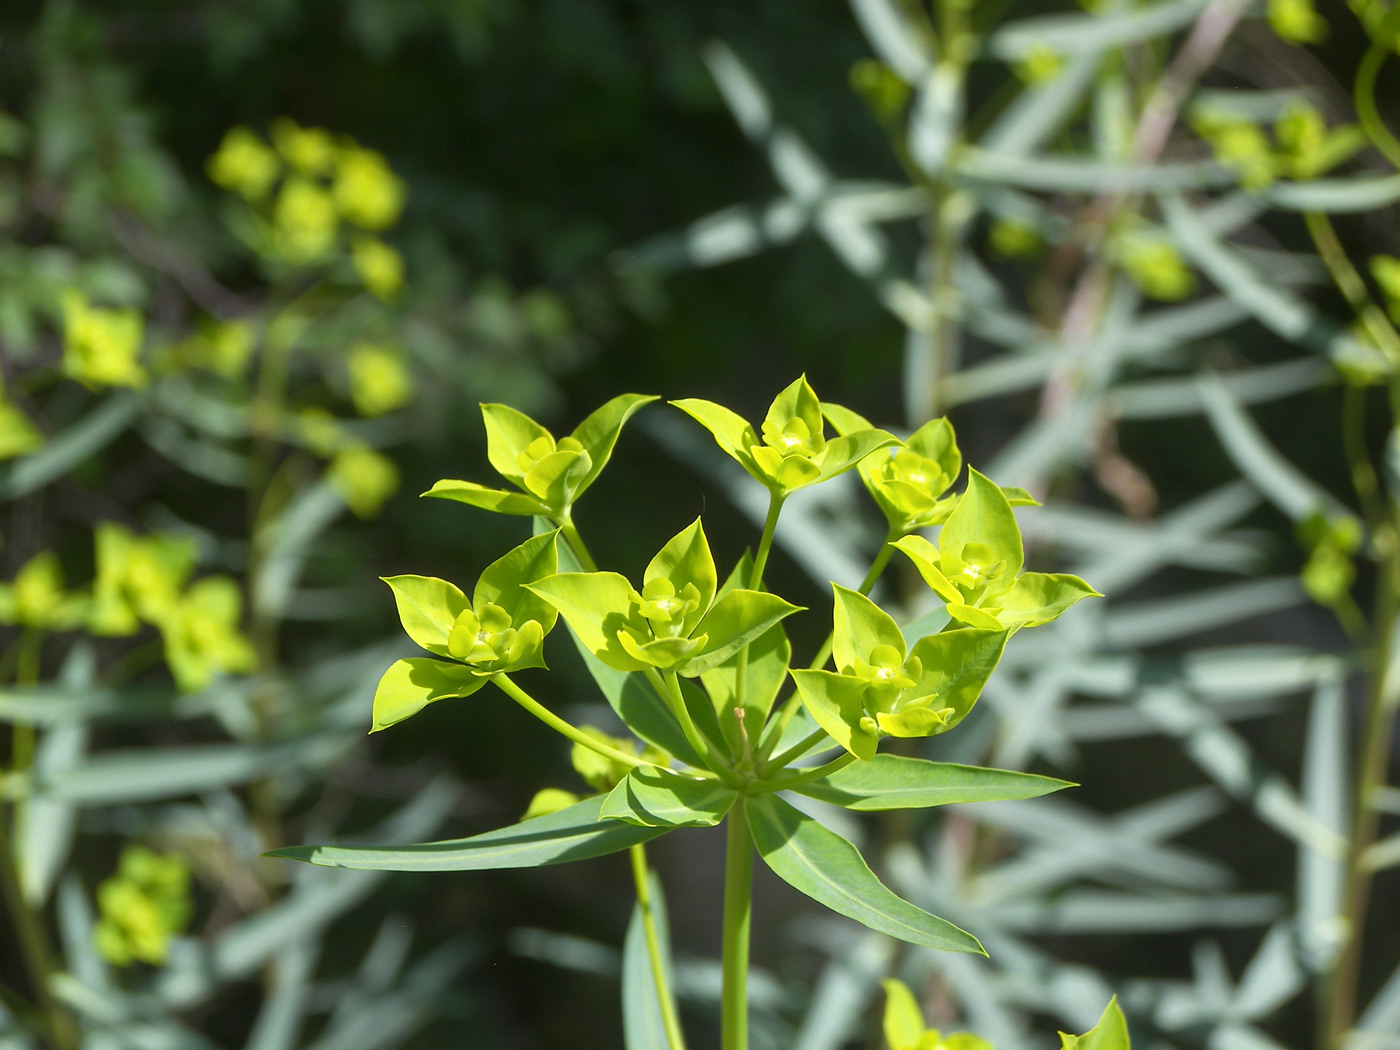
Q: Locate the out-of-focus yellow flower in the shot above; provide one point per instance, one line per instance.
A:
(244, 164)
(305, 221)
(18, 436)
(1297, 21)
(36, 598)
(379, 266)
(224, 348)
(202, 638)
(310, 151)
(1039, 65)
(366, 190)
(364, 479)
(138, 578)
(1155, 266)
(101, 347)
(1013, 240)
(319, 430)
(1240, 145)
(142, 906)
(379, 382)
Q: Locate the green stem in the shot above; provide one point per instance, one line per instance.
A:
(669, 1021)
(806, 777)
(671, 690)
(34, 946)
(1363, 473)
(566, 526)
(770, 525)
(796, 751)
(1351, 284)
(1375, 760)
(573, 732)
(734, 949)
(1364, 90)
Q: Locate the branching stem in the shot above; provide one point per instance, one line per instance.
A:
(573, 732)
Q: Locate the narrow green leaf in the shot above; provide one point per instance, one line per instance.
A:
(831, 871)
(65, 450)
(410, 685)
(598, 433)
(496, 500)
(427, 607)
(897, 782)
(642, 1024)
(660, 798)
(575, 833)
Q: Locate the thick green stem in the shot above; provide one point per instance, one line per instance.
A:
(573, 732)
(674, 1039)
(58, 1025)
(566, 526)
(734, 949)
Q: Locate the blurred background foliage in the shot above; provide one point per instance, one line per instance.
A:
(220, 401)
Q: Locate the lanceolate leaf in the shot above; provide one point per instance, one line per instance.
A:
(831, 871)
(497, 500)
(767, 669)
(659, 798)
(574, 833)
(897, 782)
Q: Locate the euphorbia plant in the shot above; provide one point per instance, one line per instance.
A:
(694, 667)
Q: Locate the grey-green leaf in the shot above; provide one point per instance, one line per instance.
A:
(831, 871)
(897, 782)
(573, 833)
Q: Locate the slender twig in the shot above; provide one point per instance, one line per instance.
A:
(573, 732)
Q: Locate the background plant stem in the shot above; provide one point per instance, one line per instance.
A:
(674, 1038)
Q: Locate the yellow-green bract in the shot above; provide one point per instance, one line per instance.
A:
(501, 629)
